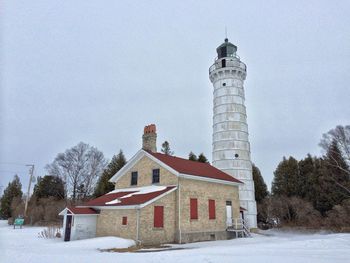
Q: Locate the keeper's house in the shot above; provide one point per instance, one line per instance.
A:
(159, 199)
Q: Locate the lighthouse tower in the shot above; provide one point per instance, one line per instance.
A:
(231, 148)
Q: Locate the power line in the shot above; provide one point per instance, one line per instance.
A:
(8, 171)
(13, 163)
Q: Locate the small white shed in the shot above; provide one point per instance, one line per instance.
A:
(78, 223)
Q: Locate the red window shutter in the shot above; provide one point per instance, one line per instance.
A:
(194, 208)
(212, 209)
(158, 216)
(125, 220)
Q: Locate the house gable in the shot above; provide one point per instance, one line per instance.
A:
(144, 167)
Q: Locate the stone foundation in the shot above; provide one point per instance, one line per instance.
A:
(203, 236)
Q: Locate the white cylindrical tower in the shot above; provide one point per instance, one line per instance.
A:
(231, 148)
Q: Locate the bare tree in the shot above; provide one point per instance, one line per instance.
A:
(80, 168)
(341, 135)
(337, 142)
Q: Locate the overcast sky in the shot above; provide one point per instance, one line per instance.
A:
(99, 71)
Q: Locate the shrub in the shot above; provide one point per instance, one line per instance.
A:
(51, 231)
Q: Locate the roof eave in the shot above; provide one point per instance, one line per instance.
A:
(208, 179)
(114, 207)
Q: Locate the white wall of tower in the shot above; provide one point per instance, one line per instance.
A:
(230, 130)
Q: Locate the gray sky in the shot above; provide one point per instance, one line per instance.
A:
(99, 71)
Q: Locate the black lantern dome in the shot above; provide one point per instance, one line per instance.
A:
(227, 49)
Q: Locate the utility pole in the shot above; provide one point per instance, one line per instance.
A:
(31, 172)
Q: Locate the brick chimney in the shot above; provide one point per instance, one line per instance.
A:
(149, 138)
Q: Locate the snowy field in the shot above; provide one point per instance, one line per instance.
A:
(24, 246)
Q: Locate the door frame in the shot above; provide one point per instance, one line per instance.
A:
(228, 206)
(68, 227)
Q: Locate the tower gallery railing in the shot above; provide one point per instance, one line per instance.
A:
(229, 62)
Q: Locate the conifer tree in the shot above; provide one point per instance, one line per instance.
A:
(322, 191)
(103, 185)
(49, 186)
(13, 190)
(166, 148)
(192, 157)
(322, 183)
(307, 177)
(285, 180)
(259, 185)
(202, 158)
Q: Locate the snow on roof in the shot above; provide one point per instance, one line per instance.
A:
(139, 190)
(135, 191)
(130, 196)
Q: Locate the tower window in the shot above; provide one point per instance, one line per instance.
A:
(134, 176)
(155, 176)
(236, 155)
(223, 84)
(223, 63)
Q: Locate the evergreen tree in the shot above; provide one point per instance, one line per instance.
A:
(307, 177)
(322, 190)
(13, 190)
(202, 158)
(192, 157)
(259, 185)
(104, 186)
(49, 186)
(166, 148)
(285, 180)
(323, 183)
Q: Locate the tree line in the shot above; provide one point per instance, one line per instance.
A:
(311, 192)
(76, 175)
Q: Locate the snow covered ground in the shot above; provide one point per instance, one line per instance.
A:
(23, 245)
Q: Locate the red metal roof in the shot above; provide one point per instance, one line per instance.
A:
(136, 199)
(185, 166)
(82, 210)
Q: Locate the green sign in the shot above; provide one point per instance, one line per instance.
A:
(19, 221)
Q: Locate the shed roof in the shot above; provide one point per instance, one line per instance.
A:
(79, 211)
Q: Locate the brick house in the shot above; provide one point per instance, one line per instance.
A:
(162, 199)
